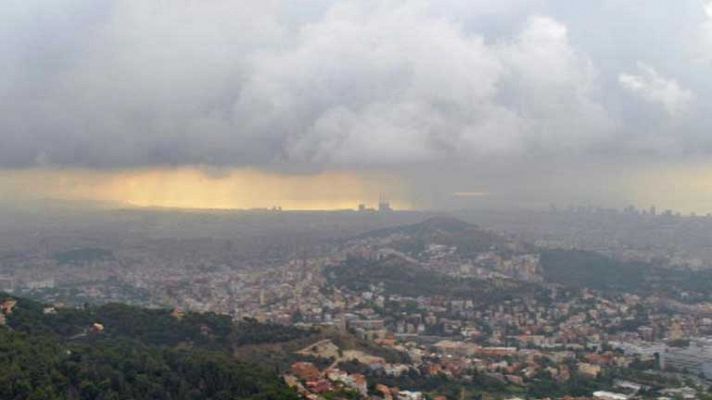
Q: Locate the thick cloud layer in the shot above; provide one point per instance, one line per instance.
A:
(705, 35)
(650, 86)
(323, 84)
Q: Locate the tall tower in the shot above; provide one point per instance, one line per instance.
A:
(383, 204)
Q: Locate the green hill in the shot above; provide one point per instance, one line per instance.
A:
(398, 276)
(139, 354)
(578, 268)
(468, 239)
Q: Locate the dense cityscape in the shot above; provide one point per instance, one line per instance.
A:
(355, 200)
(467, 310)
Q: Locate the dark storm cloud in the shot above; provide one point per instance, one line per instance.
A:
(322, 84)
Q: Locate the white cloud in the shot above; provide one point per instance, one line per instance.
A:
(553, 88)
(648, 84)
(706, 33)
(374, 83)
(323, 83)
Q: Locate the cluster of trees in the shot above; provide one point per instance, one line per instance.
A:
(588, 269)
(158, 327)
(467, 238)
(141, 354)
(41, 367)
(400, 277)
(578, 268)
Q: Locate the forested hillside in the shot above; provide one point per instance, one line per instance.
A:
(398, 276)
(121, 352)
(577, 268)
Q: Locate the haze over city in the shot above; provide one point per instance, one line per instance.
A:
(356, 199)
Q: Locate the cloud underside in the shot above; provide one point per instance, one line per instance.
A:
(652, 87)
(351, 84)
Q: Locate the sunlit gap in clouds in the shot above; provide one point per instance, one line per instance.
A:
(196, 188)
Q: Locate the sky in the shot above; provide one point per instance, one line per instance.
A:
(324, 103)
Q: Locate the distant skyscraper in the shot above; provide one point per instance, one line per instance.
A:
(383, 204)
(652, 210)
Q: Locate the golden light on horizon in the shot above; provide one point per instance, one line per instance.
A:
(194, 188)
(686, 188)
